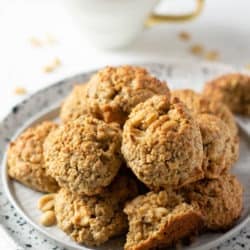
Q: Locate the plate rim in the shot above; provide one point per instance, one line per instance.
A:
(6, 180)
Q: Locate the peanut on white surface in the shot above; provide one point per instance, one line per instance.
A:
(46, 202)
(48, 218)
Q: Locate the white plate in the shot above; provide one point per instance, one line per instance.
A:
(44, 104)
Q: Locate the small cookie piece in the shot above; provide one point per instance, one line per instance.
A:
(75, 104)
(162, 143)
(114, 91)
(200, 104)
(25, 158)
(83, 155)
(158, 220)
(220, 200)
(93, 220)
(217, 144)
(231, 89)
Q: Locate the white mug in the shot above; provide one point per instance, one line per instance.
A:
(112, 24)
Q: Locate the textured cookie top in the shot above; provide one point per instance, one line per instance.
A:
(162, 143)
(25, 158)
(75, 104)
(159, 219)
(93, 220)
(83, 155)
(220, 200)
(199, 104)
(217, 144)
(152, 200)
(114, 91)
(231, 89)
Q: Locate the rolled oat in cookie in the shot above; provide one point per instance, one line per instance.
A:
(158, 220)
(114, 91)
(217, 144)
(25, 158)
(231, 89)
(93, 220)
(200, 104)
(220, 200)
(84, 155)
(162, 143)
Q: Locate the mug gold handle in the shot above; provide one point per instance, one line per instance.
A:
(159, 18)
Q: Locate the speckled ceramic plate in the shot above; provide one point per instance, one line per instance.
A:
(19, 215)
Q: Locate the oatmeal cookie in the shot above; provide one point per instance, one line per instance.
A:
(75, 104)
(162, 143)
(157, 220)
(25, 158)
(233, 90)
(83, 155)
(217, 144)
(114, 91)
(200, 104)
(220, 200)
(93, 220)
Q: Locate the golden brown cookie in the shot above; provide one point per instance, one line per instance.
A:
(233, 90)
(25, 158)
(199, 104)
(83, 155)
(158, 220)
(114, 91)
(162, 143)
(220, 200)
(217, 145)
(93, 220)
(75, 104)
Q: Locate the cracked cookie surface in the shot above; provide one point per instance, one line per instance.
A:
(200, 104)
(25, 158)
(158, 220)
(162, 143)
(217, 144)
(93, 220)
(220, 200)
(113, 91)
(83, 155)
(233, 90)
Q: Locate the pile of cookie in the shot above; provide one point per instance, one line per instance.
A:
(132, 157)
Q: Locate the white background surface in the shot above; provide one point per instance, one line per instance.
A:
(224, 26)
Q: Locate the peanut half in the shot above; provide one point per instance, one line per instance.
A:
(46, 202)
(48, 218)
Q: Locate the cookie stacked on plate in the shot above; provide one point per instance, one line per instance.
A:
(132, 157)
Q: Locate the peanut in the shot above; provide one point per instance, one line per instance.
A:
(48, 218)
(212, 55)
(197, 49)
(46, 202)
(185, 36)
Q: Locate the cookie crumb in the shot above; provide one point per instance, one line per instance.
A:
(197, 49)
(52, 66)
(212, 55)
(185, 36)
(35, 42)
(20, 91)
